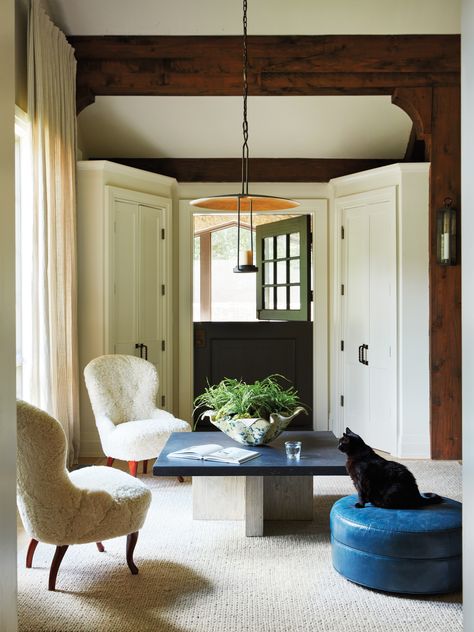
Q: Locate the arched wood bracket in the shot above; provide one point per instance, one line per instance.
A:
(417, 103)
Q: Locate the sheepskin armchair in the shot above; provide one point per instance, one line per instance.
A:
(63, 508)
(123, 390)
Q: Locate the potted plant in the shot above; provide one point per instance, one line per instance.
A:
(252, 414)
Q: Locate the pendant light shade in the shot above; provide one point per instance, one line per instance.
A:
(244, 202)
(248, 203)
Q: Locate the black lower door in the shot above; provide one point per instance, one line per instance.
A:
(253, 350)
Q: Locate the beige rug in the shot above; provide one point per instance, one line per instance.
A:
(207, 577)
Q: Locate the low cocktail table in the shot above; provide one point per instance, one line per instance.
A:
(270, 487)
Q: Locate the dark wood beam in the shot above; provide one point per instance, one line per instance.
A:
(445, 281)
(261, 169)
(279, 65)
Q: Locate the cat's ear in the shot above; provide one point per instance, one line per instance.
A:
(348, 431)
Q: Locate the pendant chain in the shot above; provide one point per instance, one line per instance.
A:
(245, 125)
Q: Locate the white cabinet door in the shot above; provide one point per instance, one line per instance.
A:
(370, 316)
(138, 300)
(151, 330)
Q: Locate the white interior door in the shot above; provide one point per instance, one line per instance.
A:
(369, 317)
(125, 271)
(138, 274)
(151, 290)
(356, 297)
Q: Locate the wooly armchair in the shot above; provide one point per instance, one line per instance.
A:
(58, 507)
(123, 390)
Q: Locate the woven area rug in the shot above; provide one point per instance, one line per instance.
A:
(208, 577)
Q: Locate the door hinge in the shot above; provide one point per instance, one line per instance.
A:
(162, 290)
(163, 399)
(162, 233)
(342, 400)
(342, 289)
(163, 345)
(342, 232)
(342, 345)
(311, 296)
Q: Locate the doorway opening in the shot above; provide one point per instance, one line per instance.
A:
(249, 326)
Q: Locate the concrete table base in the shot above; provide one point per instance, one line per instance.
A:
(253, 499)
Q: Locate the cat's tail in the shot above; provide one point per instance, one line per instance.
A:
(430, 499)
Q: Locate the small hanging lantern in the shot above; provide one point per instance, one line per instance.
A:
(446, 234)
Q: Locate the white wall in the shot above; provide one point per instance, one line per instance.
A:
(8, 622)
(266, 17)
(467, 131)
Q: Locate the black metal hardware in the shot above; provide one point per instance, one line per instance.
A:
(141, 346)
(364, 355)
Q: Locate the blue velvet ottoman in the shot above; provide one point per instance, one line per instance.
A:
(398, 550)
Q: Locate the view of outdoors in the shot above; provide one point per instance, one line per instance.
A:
(232, 296)
(219, 294)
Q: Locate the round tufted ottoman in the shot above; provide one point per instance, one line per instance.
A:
(398, 550)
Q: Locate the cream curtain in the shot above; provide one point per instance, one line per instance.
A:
(51, 375)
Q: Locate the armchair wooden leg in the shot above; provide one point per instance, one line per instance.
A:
(110, 461)
(131, 542)
(133, 467)
(31, 551)
(100, 546)
(145, 466)
(55, 564)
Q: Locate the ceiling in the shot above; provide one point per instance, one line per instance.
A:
(209, 127)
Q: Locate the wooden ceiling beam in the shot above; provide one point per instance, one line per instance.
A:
(278, 65)
(261, 169)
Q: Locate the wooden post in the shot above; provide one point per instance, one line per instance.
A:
(445, 281)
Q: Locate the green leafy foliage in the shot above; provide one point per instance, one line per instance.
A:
(235, 398)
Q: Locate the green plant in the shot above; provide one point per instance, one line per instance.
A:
(235, 398)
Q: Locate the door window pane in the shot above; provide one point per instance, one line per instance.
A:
(268, 273)
(294, 245)
(268, 298)
(281, 272)
(294, 270)
(268, 248)
(281, 298)
(295, 297)
(281, 246)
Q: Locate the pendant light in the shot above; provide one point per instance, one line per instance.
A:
(244, 202)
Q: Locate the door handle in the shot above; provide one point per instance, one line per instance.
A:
(141, 346)
(363, 354)
(365, 348)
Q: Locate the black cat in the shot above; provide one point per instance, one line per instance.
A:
(383, 483)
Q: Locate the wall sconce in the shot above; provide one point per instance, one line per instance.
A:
(446, 234)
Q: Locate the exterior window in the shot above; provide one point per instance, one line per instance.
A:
(23, 245)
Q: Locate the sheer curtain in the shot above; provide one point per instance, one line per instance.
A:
(51, 371)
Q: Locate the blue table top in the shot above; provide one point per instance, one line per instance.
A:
(319, 456)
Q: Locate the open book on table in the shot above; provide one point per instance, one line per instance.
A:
(214, 452)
